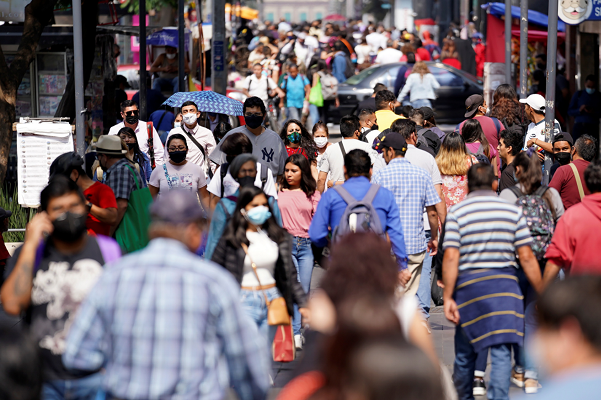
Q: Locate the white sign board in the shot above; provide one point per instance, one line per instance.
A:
(38, 144)
(13, 10)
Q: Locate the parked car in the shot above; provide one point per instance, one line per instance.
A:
(455, 87)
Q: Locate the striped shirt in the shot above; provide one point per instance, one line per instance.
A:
(486, 230)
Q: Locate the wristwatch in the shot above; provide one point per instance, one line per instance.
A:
(89, 206)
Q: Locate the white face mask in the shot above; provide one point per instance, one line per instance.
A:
(321, 141)
(170, 56)
(177, 124)
(190, 118)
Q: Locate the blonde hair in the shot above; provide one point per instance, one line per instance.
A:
(452, 159)
(421, 68)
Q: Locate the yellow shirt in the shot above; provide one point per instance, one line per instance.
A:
(385, 118)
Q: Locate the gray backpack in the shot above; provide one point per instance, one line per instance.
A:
(359, 215)
(329, 86)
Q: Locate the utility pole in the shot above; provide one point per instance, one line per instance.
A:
(181, 52)
(551, 72)
(142, 26)
(218, 66)
(79, 88)
(523, 49)
(508, 41)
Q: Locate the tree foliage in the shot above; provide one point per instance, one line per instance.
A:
(133, 6)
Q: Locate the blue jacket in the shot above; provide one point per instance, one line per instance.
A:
(331, 208)
(221, 218)
(592, 101)
(339, 66)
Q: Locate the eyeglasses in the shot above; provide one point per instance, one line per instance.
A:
(179, 148)
(132, 113)
(253, 115)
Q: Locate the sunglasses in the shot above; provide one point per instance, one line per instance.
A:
(132, 113)
(180, 148)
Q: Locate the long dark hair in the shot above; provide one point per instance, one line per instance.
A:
(307, 184)
(306, 142)
(531, 176)
(139, 157)
(472, 132)
(235, 231)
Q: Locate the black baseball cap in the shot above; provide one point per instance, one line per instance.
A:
(472, 103)
(395, 141)
(564, 137)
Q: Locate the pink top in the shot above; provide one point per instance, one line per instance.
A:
(473, 147)
(297, 211)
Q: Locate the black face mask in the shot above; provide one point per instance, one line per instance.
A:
(132, 119)
(177, 156)
(563, 158)
(69, 227)
(246, 181)
(253, 122)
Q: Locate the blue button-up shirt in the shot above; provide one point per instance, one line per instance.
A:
(331, 208)
(413, 190)
(167, 324)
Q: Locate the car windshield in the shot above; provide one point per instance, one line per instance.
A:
(469, 77)
(353, 80)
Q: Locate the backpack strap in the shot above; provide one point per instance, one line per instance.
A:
(346, 196)
(578, 181)
(264, 171)
(516, 190)
(342, 149)
(371, 194)
(497, 125)
(135, 177)
(161, 120)
(223, 174)
(202, 150)
(109, 248)
(540, 192)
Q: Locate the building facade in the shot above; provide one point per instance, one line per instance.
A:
(294, 10)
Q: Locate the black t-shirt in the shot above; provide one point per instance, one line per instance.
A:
(507, 177)
(61, 282)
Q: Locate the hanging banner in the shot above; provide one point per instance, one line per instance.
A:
(574, 12)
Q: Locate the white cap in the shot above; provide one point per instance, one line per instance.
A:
(536, 101)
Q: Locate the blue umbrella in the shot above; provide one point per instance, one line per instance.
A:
(207, 101)
(167, 37)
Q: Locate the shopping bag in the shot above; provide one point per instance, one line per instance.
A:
(436, 290)
(315, 95)
(132, 233)
(283, 344)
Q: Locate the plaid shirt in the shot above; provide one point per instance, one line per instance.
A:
(120, 179)
(167, 324)
(413, 190)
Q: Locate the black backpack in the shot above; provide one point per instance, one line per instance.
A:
(480, 156)
(226, 166)
(350, 67)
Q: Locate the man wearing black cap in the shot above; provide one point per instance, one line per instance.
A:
(413, 192)
(476, 108)
(369, 103)
(165, 309)
(563, 146)
(430, 122)
(100, 199)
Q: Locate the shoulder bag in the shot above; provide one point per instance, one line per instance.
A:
(132, 233)
(277, 312)
(578, 181)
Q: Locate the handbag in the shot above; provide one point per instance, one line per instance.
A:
(435, 290)
(277, 312)
(283, 344)
(315, 95)
(132, 233)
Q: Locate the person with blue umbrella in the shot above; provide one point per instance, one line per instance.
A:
(166, 65)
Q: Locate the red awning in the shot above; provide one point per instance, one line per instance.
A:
(425, 21)
(538, 36)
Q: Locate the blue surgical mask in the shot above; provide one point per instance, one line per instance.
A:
(257, 216)
(590, 90)
(177, 124)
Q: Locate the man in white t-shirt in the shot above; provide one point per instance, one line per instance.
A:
(333, 159)
(200, 140)
(131, 119)
(260, 85)
(389, 54)
(268, 147)
(535, 136)
(376, 41)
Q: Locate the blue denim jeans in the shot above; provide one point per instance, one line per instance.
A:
(314, 113)
(161, 84)
(421, 103)
(524, 362)
(302, 257)
(424, 290)
(88, 388)
(253, 305)
(481, 360)
(465, 362)
(293, 113)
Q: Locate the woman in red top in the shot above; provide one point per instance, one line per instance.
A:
(298, 141)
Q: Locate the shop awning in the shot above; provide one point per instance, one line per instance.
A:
(538, 36)
(534, 17)
(243, 12)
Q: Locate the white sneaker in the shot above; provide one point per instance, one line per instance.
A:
(298, 342)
